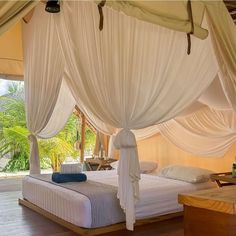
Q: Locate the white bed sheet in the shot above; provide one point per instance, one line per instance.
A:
(158, 196)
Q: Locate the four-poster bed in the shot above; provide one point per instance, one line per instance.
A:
(158, 201)
(133, 74)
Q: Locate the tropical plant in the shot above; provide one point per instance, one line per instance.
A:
(16, 88)
(14, 135)
(14, 142)
(90, 139)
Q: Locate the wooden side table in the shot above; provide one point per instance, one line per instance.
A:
(210, 212)
(99, 163)
(224, 179)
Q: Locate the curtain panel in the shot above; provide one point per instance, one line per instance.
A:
(223, 37)
(44, 68)
(215, 96)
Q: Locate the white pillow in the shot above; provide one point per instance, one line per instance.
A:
(71, 168)
(145, 166)
(188, 174)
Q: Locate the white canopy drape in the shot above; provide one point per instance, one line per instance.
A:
(222, 33)
(65, 103)
(131, 75)
(44, 68)
(214, 96)
(207, 132)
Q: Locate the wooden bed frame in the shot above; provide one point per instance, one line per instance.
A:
(94, 231)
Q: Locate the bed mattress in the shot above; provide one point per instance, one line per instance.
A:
(158, 196)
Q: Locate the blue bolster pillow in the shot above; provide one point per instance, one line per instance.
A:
(64, 178)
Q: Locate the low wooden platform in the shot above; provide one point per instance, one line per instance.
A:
(97, 231)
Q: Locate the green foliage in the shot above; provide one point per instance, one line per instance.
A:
(14, 141)
(90, 139)
(19, 161)
(14, 135)
(69, 131)
(16, 87)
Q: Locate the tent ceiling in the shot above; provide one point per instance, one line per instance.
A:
(11, 54)
(11, 66)
(231, 5)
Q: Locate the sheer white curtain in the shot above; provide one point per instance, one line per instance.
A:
(192, 108)
(131, 75)
(223, 36)
(63, 109)
(44, 68)
(207, 132)
(145, 133)
(215, 97)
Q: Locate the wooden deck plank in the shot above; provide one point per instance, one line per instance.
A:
(10, 184)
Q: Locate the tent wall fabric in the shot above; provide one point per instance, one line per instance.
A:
(11, 59)
(131, 75)
(170, 14)
(13, 11)
(11, 54)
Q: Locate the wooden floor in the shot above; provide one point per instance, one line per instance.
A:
(20, 221)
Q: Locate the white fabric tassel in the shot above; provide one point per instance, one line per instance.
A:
(34, 155)
(128, 174)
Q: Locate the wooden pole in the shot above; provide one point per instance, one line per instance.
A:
(82, 145)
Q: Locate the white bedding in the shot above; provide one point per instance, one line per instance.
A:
(158, 196)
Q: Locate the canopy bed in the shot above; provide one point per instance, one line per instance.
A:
(135, 73)
(158, 201)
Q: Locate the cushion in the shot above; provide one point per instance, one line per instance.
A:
(146, 167)
(188, 174)
(65, 178)
(71, 168)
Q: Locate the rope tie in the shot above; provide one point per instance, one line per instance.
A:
(190, 16)
(100, 6)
